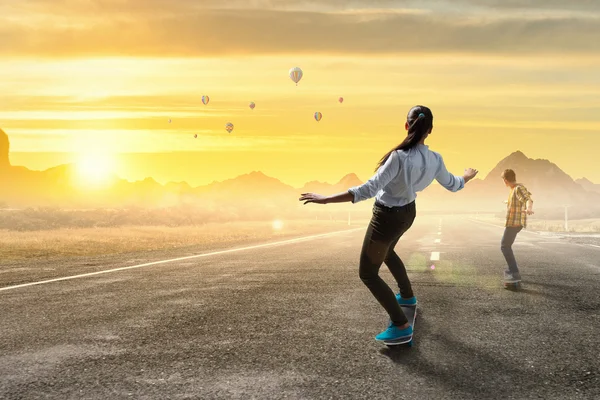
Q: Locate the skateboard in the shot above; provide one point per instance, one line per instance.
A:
(411, 315)
(512, 284)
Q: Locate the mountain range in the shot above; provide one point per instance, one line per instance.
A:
(588, 185)
(551, 187)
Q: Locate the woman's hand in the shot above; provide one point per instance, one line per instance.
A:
(313, 198)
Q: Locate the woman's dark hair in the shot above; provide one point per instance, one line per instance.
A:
(420, 121)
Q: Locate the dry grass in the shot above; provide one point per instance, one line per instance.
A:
(579, 226)
(67, 242)
(591, 225)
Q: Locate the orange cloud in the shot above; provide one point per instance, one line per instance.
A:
(161, 28)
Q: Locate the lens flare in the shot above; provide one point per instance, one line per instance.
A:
(277, 224)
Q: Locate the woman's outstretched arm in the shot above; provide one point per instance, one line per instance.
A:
(384, 175)
(319, 199)
(362, 192)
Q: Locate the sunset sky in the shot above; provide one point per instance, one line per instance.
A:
(104, 77)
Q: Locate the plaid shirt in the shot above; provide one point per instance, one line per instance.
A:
(517, 206)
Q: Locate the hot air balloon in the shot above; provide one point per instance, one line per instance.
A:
(318, 116)
(296, 74)
(252, 105)
(195, 135)
(341, 99)
(229, 127)
(205, 100)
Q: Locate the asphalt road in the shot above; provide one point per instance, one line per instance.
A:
(293, 320)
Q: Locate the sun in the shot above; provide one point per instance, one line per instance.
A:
(277, 224)
(95, 168)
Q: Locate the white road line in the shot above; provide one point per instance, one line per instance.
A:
(438, 240)
(585, 245)
(177, 259)
(439, 233)
(580, 245)
(435, 256)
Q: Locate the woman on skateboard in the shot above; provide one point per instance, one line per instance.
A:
(406, 169)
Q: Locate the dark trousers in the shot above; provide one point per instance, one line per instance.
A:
(384, 231)
(510, 234)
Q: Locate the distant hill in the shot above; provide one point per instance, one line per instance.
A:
(588, 185)
(4, 150)
(255, 183)
(542, 177)
(342, 185)
(349, 181)
(551, 188)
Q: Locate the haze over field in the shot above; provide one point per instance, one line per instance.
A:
(257, 196)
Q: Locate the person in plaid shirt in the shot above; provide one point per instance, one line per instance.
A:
(519, 205)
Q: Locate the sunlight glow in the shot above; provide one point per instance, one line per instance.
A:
(277, 224)
(95, 169)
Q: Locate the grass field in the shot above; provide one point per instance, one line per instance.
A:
(66, 242)
(574, 226)
(42, 234)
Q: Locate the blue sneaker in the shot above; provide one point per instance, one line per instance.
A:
(406, 302)
(394, 333)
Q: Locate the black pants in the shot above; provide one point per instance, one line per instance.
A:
(384, 231)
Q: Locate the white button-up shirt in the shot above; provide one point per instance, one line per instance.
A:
(405, 173)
